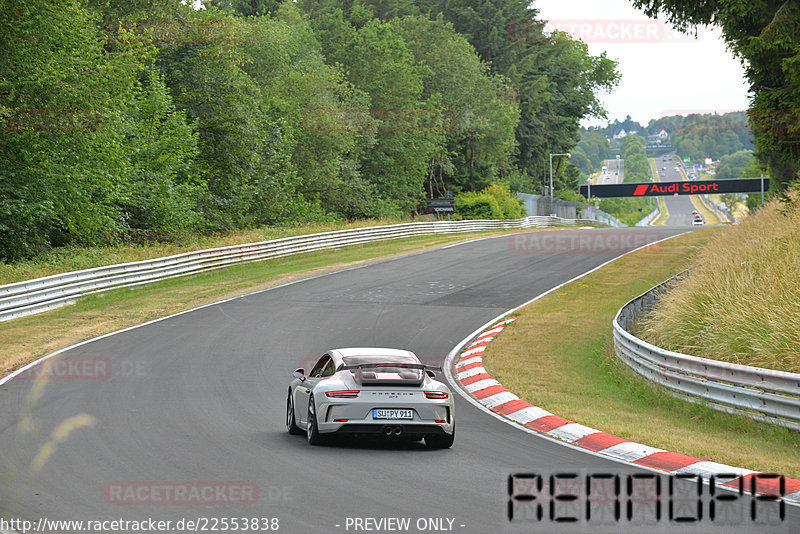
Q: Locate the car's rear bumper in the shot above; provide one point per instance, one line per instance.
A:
(393, 430)
(433, 417)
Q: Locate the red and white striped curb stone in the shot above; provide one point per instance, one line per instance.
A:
(477, 381)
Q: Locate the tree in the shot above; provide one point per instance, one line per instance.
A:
(245, 154)
(478, 112)
(161, 190)
(62, 100)
(379, 63)
(766, 36)
(733, 165)
(320, 111)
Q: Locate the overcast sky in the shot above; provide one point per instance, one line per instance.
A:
(663, 72)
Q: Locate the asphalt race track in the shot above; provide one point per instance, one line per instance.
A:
(200, 398)
(680, 207)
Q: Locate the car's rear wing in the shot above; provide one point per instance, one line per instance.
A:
(409, 374)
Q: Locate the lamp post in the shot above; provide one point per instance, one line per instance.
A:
(551, 179)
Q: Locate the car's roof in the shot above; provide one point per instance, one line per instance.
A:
(377, 352)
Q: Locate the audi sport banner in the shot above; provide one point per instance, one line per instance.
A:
(693, 187)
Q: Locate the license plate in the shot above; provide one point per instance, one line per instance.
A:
(385, 413)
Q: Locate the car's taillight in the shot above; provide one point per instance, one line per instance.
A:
(436, 394)
(343, 394)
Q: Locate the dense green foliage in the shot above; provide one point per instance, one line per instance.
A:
(698, 136)
(126, 117)
(590, 152)
(494, 202)
(734, 165)
(628, 210)
(637, 168)
(766, 37)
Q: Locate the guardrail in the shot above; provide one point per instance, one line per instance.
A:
(650, 217)
(712, 206)
(764, 394)
(42, 294)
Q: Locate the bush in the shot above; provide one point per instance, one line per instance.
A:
(475, 205)
(494, 202)
(511, 206)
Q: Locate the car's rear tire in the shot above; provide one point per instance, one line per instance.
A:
(441, 442)
(291, 423)
(312, 432)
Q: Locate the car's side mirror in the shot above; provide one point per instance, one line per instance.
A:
(430, 373)
(299, 373)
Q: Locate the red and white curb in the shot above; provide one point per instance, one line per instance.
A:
(480, 385)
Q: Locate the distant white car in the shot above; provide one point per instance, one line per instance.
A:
(371, 392)
(697, 221)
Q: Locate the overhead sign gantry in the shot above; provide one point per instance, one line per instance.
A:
(691, 187)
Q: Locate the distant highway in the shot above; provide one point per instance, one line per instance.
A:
(615, 169)
(679, 207)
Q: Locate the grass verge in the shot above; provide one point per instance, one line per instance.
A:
(559, 355)
(661, 220)
(29, 338)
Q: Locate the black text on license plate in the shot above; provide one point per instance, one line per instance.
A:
(392, 413)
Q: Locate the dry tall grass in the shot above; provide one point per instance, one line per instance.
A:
(741, 300)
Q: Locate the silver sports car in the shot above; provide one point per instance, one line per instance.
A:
(371, 391)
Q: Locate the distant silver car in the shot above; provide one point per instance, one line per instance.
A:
(371, 392)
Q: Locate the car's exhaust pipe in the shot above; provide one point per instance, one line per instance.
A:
(388, 430)
(393, 430)
(398, 430)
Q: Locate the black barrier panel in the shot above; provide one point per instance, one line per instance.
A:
(692, 187)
